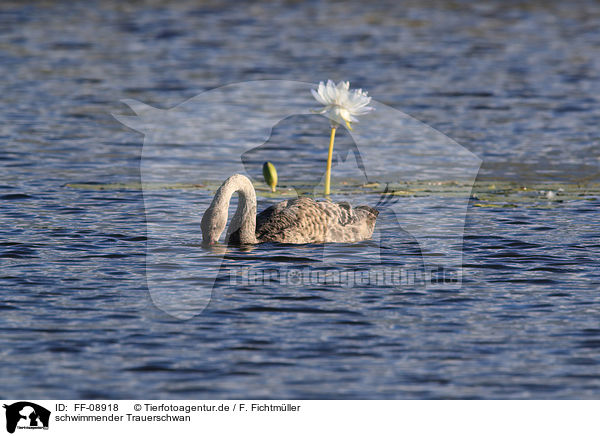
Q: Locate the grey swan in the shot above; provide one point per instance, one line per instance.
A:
(298, 221)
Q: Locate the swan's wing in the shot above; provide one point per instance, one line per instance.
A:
(369, 210)
(294, 221)
(349, 224)
(305, 220)
(344, 214)
(266, 215)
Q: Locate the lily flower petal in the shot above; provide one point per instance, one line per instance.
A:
(342, 105)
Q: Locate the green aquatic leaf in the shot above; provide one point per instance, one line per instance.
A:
(484, 193)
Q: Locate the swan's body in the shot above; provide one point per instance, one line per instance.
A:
(298, 221)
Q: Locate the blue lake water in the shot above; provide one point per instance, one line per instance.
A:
(516, 85)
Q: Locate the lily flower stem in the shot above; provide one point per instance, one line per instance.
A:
(329, 158)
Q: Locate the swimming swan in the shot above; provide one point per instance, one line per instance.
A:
(298, 221)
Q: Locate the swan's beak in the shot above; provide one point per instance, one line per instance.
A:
(209, 242)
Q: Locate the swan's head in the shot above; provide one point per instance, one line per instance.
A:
(213, 224)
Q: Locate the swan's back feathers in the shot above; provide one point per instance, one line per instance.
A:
(264, 217)
(304, 220)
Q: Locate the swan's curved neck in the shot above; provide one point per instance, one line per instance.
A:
(244, 218)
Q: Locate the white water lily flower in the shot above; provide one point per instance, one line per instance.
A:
(341, 104)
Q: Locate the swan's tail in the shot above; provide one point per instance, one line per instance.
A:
(386, 199)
